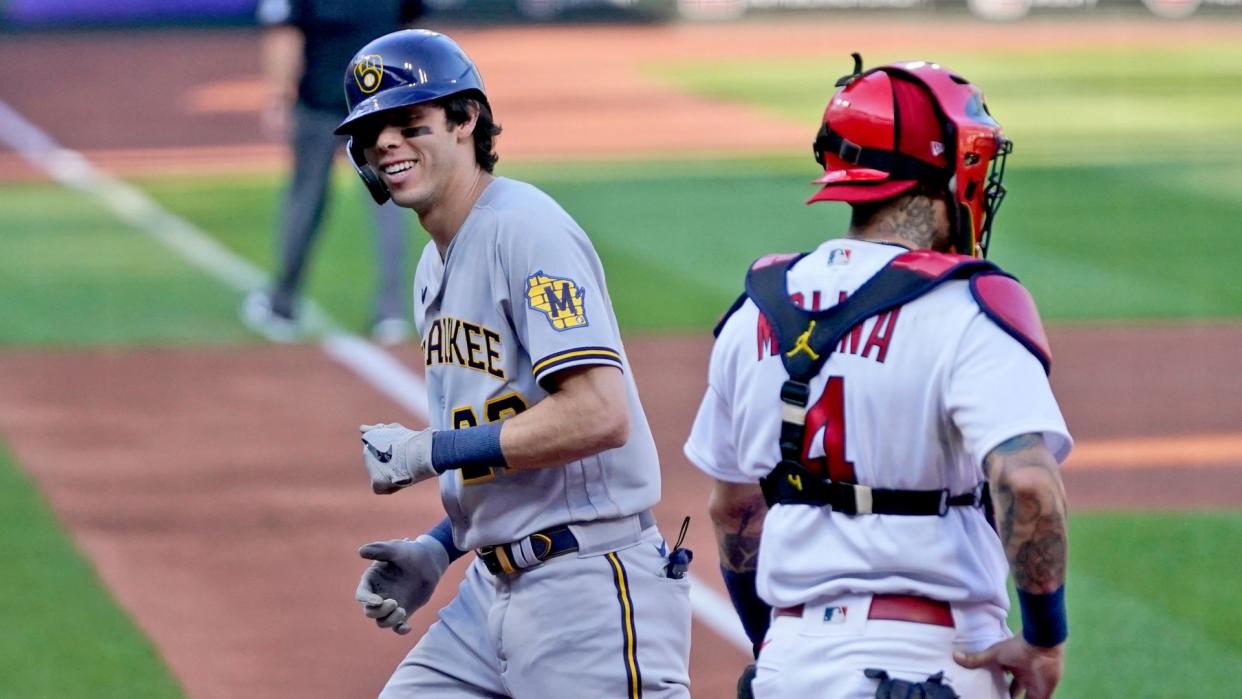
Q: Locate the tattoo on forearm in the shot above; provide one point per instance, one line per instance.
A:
(1032, 522)
(1034, 540)
(739, 550)
(739, 553)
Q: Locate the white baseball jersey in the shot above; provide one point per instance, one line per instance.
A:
(519, 296)
(913, 399)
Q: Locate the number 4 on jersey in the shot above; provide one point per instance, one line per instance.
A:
(828, 413)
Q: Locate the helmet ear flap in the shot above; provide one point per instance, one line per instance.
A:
(378, 190)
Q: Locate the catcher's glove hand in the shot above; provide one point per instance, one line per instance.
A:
(400, 580)
(395, 456)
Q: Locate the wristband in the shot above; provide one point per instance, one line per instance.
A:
(443, 533)
(755, 614)
(1044, 622)
(470, 446)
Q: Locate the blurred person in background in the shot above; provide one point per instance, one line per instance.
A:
(306, 45)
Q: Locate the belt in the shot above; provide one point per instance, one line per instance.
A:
(506, 559)
(530, 551)
(912, 608)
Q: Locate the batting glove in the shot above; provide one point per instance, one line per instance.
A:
(396, 457)
(400, 580)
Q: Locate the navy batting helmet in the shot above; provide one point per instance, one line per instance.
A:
(398, 70)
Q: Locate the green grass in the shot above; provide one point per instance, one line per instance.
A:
(71, 273)
(342, 270)
(1095, 244)
(61, 633)
(1092, 243)
(1153, 606)
(1082, 105)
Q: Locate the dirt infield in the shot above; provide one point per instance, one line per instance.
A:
(218, 490)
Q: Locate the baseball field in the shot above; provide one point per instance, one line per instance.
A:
(181, 502)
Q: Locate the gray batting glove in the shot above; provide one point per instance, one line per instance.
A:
(400, 580)
(396, 457)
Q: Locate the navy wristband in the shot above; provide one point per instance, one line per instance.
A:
(1044, 622)
(755, 614)
(443, 533)
(469, 446)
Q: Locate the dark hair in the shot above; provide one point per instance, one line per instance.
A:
(457, 111)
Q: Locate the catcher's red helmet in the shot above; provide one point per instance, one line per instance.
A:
(892, 127)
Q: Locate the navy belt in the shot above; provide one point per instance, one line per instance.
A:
(506, 559)
(530, 551)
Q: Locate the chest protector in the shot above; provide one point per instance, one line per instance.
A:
(806, 339)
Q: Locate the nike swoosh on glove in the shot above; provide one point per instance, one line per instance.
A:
(395, 456)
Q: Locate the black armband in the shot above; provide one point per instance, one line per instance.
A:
(1044, 621)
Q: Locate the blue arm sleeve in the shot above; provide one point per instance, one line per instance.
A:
(469, 446)
(443, 533)
(754, 612)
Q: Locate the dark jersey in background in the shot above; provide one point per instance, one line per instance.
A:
(334, 30)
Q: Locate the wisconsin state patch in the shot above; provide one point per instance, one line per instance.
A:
(558, 298)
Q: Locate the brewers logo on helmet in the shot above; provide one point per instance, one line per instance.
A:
(369, 72)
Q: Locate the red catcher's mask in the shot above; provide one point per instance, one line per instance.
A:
(890, 128)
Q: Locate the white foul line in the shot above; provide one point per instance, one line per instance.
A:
(370, 363)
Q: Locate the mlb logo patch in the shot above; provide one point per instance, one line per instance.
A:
(839, 256)
(835, 615)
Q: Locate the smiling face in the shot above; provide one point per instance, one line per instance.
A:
(420, 155)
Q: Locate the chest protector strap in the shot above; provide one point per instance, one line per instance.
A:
(806, 339)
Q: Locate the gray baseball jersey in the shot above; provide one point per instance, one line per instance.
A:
(519, 296)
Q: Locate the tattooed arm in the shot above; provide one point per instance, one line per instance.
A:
(1030, 514)
(737, 511)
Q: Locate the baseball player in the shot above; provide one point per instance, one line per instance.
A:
(861, 400)
(544, 459)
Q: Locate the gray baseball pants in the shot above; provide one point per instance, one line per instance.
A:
(609, 625)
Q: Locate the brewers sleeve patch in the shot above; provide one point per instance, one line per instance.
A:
(558, 298)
